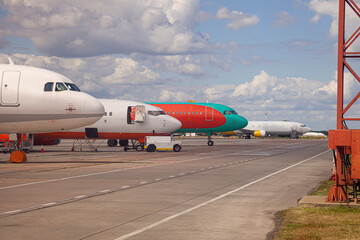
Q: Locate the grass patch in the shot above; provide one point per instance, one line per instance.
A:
(309, 221)
(316, 222)
(324, 188)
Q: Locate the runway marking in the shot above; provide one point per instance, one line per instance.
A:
(104, 191)
(81, 196)
(106, 172)
(212, 200)
(78, 198)
(14, 211)
(48, 204)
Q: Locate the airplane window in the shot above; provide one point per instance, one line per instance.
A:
(173, 113)
(72, 87)
(180, 112)
(192, 112)
(184, 112)
(200, 113)
(177, 112)
(302, 125)
(48, 86)
(105, 113)
(156, 113)
(188, 112)
(196, 112)
(232, 112)
(169, 113)
(110, 113)
(60, 87)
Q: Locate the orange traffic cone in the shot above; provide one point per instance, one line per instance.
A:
(42, 148)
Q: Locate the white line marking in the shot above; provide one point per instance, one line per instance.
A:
(106, 172)
(49, 204)
(158, 179)
(125, 187)
(11, 211)
(171, 176)
(104, 191)
(211, 200)
(81, 196)
(143, 182)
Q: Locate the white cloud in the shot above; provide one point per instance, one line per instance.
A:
(128, 71)
(181, 64)
(69, 28)
(237, 19)
(331, 8)
(283, 19)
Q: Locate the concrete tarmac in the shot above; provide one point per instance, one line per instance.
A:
(229, 191)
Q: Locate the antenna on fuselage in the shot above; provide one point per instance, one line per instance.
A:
(10, 61)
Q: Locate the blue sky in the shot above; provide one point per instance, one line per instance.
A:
(260, 56)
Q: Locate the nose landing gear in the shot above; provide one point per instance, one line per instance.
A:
(210, 142)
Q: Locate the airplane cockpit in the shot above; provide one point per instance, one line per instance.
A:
(156, 113)
(61, 86)
(230, 112)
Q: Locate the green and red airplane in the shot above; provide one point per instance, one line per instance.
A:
(206, 118)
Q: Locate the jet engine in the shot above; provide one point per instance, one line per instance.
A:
(260, 133)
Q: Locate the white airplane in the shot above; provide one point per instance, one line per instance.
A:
(37, 100)
(272, 128)
(314, 135)
(123, 120)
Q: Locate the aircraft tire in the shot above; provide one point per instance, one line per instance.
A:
(210, 143)
(177, 148)
(124, 142)
(151, 148)
(112, 142)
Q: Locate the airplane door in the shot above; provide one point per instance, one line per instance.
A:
(209, 113)
(10, 88)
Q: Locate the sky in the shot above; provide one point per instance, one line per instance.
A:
(277, 57)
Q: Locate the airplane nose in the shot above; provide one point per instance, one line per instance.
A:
(93, 107)
(172, 124)
(240, 122)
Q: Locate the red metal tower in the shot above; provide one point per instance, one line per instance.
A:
(345, 141)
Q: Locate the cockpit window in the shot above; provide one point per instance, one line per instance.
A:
(232, 112)
(156, 113)
(60, 87)
(72, 87)
(48, 86)
(302, 125)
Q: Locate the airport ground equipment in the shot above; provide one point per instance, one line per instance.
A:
(9, 144)
(345, 141)
(162, 143)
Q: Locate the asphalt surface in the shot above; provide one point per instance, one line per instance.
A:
(229, 191)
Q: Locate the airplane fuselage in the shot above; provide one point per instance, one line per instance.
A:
(38, 100)
(120, 123)
(203, 117)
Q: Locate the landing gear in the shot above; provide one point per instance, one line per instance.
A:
(210, 142)
(112, 142)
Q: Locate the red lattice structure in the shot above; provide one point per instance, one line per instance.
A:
(344, 141)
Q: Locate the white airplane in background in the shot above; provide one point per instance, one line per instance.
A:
(123, 120)
(37, 100)
(272, 128)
